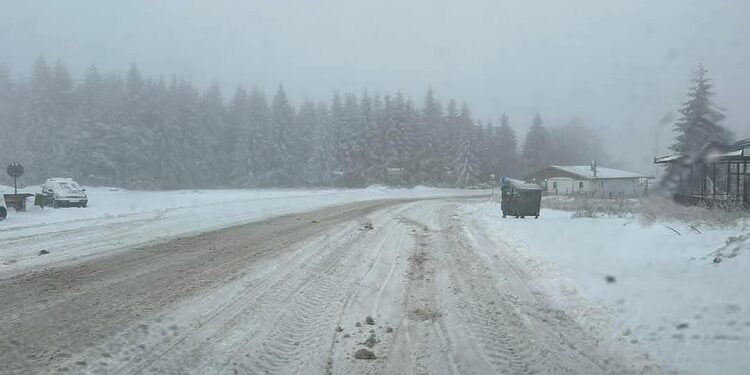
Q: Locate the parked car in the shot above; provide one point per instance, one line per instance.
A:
(3, 208)
(61, 192)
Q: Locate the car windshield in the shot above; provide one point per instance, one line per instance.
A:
(70, 186)
(375, 187)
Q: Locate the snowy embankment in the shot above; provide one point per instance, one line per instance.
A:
(117, 219)
(659, 282)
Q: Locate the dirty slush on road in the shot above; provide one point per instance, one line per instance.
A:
(386, 287)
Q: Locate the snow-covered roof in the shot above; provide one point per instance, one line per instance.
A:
(586, 171)
(729, 154)
(668, 158)
(60, 179)
(520, 184)
(714, 153)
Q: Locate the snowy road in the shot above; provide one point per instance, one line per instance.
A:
(119, 219)
(292, 295)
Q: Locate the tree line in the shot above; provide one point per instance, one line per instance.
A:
(127, 130)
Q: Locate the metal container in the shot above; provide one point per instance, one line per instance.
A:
(520, 199)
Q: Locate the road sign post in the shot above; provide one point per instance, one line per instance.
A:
(15, 170)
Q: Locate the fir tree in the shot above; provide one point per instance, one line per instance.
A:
(467, 168)
(280, 171)
(699, 122)
(507, 152)
(536, 147)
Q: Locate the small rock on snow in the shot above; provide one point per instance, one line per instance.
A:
(610, 279)
(682, 326)
(371, 341)
(364, 354)
(369, 320)
(43, 252)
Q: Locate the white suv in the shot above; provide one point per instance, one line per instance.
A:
(62, 192)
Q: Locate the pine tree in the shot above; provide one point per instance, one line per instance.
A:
(216, 134)
(467, 168)
(9, 127)
(449, 141)
(280, 171)
(38, 119)
(507, 152)
(336, 128)
(91, 157)
(699, 123)
(432, 126)
(322, 162)
(371, 153)
(395, 132)
(243, 133)
(303, 150)
(350, 143)
(536, 147)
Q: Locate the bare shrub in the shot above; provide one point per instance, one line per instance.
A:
(583, 206)
(661, 207)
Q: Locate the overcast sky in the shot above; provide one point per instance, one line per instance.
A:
(619, 65)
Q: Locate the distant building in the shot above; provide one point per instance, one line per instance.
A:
(716, 175)
(590, 180)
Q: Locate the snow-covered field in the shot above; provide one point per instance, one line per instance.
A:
(117, 219)
(668, 295)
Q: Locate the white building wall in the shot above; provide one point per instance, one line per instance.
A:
(600, 188)
(620, 187)
(560, 185)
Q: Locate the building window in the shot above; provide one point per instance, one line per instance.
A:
(554, 185)
(580, 184)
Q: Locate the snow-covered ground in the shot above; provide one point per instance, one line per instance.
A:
(668, 295)
(463, 289)
(367, 288)
(117, 219)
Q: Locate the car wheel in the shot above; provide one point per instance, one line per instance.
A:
(82, 204)
(3, 213)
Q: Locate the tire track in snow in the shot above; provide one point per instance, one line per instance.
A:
(513, 329)
(299, 337)
(99, 324)
(263, 302)
(493, 317)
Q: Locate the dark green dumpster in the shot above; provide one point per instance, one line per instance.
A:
(520, 199)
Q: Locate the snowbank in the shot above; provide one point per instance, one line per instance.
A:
(117, 218)
(664, 290)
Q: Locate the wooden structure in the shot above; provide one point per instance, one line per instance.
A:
(717, 176)
(17, 201)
